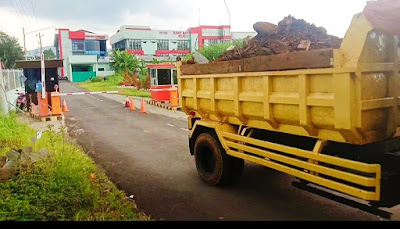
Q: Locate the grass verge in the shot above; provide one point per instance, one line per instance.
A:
(112, 84)
(66, 186)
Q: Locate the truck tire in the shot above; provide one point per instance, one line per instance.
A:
(214, 166)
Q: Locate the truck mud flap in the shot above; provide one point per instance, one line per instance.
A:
(354, 178)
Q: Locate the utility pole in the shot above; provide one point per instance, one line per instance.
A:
(229, 13)
(23, 31)
(3, 98)
(43, 71)
(199, 17)
(40, 43)
(40, 37)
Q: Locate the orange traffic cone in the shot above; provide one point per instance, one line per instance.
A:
(143, 108)
(64, 107)
(132, 105)
(127, 105)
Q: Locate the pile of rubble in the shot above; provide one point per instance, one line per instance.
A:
(16, 160)
(289, 35)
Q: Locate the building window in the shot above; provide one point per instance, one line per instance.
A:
(92, 47)
(213, 42)
(120, 45)
(101, 69)
(153, 77)
(81, 68)
(103, 48)
(95, 47)
(163, 45)
(134, 44)
(183, 45)
(164, 77)
(78, 47)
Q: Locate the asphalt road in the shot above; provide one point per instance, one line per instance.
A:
(147, 156)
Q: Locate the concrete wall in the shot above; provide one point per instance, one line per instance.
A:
(82, 59)
(150, 47)
(242, 35)
(107, 70)
(66, 50)
(105, 73)
(216, 32)
(106, 66)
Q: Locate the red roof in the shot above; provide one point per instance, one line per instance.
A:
(161, 66)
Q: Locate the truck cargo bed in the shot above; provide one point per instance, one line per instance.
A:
(349, 95)
(288, 61)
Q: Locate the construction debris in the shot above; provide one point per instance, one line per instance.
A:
(19, 160)
(265, 28)
(200, 59)
(289, 35)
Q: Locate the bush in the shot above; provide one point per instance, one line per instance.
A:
(147, 83)
(216, 51)
(115, 79)
(97, 79)
(125, 62)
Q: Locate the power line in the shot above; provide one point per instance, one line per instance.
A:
(34, 13)
(18, 11)
(24, 12)
(229, 13)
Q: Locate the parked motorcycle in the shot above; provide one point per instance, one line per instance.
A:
(21, 101)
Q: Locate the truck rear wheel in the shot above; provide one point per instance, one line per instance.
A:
(214, 166)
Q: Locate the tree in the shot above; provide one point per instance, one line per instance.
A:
(122, 62)
(48, 55)
(10, 50)
(130, 66)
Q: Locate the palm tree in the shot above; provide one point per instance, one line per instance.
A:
(122, 62)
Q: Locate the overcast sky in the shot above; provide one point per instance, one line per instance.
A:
(106, 16)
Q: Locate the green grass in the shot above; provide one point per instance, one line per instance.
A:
(97, 86)
(61, 187)
(13, 134)
(112, 84)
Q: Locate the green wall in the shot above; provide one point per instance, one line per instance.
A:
(82, 76)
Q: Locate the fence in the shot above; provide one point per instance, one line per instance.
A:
(12, 79)
(11, 83)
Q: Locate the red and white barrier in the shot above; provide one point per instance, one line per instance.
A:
(86, 93)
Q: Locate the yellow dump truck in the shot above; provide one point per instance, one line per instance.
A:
(327, 117)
